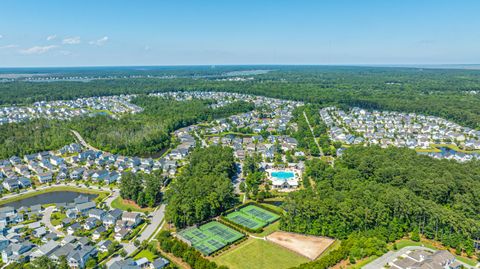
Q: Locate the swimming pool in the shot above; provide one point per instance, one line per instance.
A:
(283, 174)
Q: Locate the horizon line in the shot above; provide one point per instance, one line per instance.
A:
(245, 65)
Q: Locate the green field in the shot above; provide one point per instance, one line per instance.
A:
(145, 253)
(57, 218)
(252, 217)
(121, 204)
(259, 254)
(210, 237)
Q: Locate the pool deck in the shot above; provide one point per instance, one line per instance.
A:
(279, 182)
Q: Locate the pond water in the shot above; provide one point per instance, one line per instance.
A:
(446, 151)
(50, 198)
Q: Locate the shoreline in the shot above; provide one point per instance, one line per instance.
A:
(30, 194)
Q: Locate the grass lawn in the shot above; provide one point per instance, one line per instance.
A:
(57, 218)
(125, 206)
(145, 253)
(273, 205)
(407, 243)
(435, 148)
(269, 229)
(362, 263)
(101, 194)
(332, 247)
(259, 254)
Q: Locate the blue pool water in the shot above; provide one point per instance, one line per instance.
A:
(283, 174)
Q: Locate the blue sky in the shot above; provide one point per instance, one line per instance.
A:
(148, 32)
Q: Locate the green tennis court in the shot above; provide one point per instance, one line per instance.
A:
(260, 213)
(210, 237)
(252, 217)
(246, 220)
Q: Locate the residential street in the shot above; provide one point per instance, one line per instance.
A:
(113, 195)
(46, 220)
(155, 222)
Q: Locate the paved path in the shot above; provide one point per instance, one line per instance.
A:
(46, 220)
(313, 134)
(258, 237)
(82, 141)
(391, 255)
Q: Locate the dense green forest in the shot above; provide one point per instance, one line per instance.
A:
(440, 92)
(203, 189)
(26, 138)
(142, 134)
(143, 189)
(387, 193)
(148, 132)
(304, 136)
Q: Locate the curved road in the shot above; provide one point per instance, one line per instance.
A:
(46, 220)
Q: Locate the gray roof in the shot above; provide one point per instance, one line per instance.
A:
(124, 264)
(87, 205)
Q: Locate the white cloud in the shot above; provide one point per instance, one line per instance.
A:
(38, 49)
(71, 40)
(11, 46)
(99, 42)
(51, 37)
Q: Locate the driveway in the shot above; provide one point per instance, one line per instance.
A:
(47, 214)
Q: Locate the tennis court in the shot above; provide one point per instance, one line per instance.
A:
(221, 232)
(245, 220)
(260, 213)
(210, 237)
(252, 217)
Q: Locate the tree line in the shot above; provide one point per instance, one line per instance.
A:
(203, 188)
(187, 253)
(386, 194)
(144, 189)
(144, 134)
(439, 92)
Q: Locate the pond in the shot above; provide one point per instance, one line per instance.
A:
(49, 198)
(446, 151)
